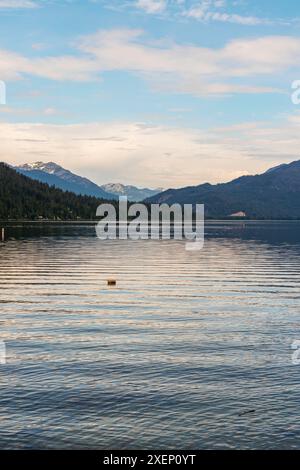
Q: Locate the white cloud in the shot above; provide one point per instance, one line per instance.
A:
(152, 6)
(15, 66)
(153, 155)
(18, 4)
(182, 68)
(194, 69)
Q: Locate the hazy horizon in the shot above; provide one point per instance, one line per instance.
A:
(133, 184)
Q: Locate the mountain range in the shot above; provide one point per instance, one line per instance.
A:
(132, 192)
(55, 175)
(274, 194)
(22, 198)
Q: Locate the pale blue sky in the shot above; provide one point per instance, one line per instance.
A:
(150, 92)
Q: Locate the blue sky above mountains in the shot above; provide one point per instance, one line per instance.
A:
(150, 92)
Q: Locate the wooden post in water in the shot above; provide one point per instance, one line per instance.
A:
(3, 234)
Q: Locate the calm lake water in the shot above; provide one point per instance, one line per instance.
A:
(189, 350)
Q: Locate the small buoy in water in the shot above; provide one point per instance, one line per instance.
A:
(111, 282)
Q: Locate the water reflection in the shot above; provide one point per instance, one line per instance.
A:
(170, 357)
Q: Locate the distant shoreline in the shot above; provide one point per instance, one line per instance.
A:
(92, 222)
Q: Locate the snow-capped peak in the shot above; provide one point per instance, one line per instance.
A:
(49, 167)
(111, 190)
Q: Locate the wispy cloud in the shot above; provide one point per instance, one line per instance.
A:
(181, 68)
(194, 69)
(18, 4)
(152, 6)
(205, 11)
(29, 112)
(213, 10)
(228, 18)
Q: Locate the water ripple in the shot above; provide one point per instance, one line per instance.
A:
(173, 356)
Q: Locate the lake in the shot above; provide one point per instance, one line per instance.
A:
(190, 350)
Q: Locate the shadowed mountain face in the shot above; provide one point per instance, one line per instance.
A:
(55, 175)
(272, 195)
(24, 198)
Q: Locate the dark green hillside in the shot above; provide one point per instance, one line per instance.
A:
(24, 198)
